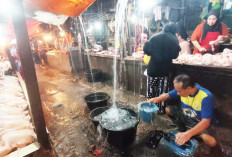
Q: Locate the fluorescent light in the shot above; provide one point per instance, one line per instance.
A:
(147, 4)
(98, 25)
(5, 7)
(133, 18)
(8, 7)
(47, 37)
(62, 34)
(2, 42)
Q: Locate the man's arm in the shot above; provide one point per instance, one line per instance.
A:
(183, 137)
(162, 97)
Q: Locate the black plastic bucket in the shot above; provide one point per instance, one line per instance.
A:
(95, 114)
(95, 100)
(121, 139)
(95, 77)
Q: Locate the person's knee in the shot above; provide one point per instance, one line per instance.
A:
(209, 140)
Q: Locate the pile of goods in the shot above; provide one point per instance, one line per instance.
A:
(138, 55)
(110, 51)
(4, 66)
(54, 52)
(97, 48)
(223, 59)
(16, 130)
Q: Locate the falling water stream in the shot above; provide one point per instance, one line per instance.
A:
(118, 119)
(115, 118)
(119, 19)
(86, 46)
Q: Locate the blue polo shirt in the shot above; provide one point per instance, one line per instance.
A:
(201, 103)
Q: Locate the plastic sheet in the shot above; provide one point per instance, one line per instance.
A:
(65, 7)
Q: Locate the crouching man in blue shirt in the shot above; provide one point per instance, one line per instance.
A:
(195, 113)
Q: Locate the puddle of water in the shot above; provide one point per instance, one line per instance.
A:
(51, 91)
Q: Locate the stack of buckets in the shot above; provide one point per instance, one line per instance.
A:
(147, 111)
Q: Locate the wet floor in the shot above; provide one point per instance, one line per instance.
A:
(71, 131)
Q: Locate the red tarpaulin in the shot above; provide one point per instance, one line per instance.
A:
(65, 7)
(32, 27)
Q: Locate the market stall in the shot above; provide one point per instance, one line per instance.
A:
(217, 77)
(61, 58)
(70, 61)
(130, 71)
(212, 71)
(21, 128)
(17, 134)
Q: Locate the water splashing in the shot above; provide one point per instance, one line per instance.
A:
(118, 119)
(86, 45)
(119, 19)
(99, 130)
(83, 29)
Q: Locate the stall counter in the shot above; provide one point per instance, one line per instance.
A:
(59, 60)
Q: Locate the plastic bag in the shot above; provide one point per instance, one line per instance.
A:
(146, 59)
(154, 137)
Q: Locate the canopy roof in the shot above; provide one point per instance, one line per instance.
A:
(65, 7)
(55, 12)
(33, 28)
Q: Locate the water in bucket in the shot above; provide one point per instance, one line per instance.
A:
(147, 111)
(118, 119)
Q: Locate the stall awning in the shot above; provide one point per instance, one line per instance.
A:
(65, 7)
(33, 28)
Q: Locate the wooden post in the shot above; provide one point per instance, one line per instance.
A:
(27, 63)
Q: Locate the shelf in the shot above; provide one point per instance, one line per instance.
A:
(25, 150)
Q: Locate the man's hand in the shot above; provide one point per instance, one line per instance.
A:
(182, 137)
(162, 97)
(154, 100)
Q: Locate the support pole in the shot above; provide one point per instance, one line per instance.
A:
(28, 67)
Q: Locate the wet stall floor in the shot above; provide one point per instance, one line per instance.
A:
(71, 131)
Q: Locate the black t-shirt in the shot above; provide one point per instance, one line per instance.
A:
(162, 47)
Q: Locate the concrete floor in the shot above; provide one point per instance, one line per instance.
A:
(71, 131)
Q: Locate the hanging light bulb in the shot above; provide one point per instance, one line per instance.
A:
(47, 37)
(61, 34)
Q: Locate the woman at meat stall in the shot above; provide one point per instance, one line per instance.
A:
(207, 35)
